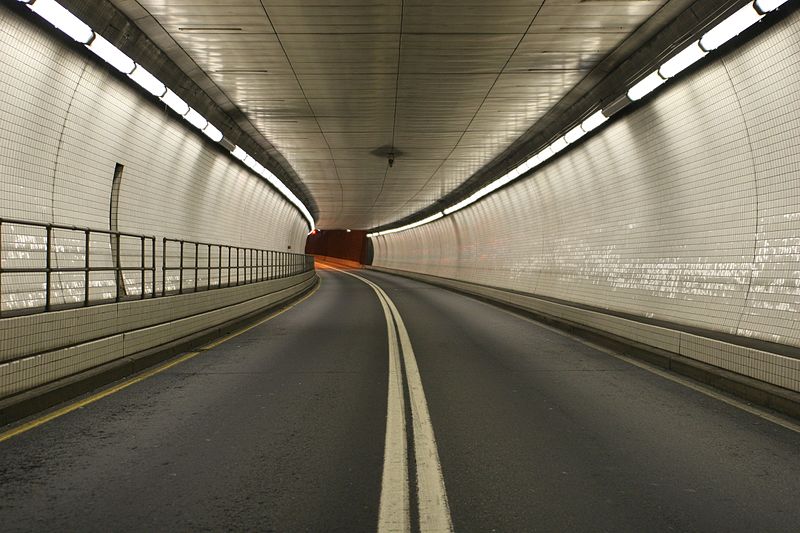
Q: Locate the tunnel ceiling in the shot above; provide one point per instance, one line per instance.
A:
(335, 86)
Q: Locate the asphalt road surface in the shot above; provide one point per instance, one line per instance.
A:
(402, 406)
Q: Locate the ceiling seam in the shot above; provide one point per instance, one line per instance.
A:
(308, 103)
(396, 92)
(486, 97)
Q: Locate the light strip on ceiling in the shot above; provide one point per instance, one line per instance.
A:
(431, 218)
(111, 54)
(682, 60)
(729, 28)
(61, 18)
(724, 31)
(64, 20)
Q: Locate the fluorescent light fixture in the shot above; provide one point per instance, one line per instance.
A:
(460, 205)
(646, 86)
(195, 119)
(594, 121)
(248, 160)
(730, 27)
(146, 81)
(527, 165)
(768, 5)
(111, 54)
(418, 223)
(683, 60)
(175, 102)
(545, 154)
(558, 145)
(212, 133)
(574, 134)
(238, 153)
(61, 18)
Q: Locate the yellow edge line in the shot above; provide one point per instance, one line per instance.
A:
(144, 375)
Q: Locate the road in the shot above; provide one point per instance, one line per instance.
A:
(495, 423)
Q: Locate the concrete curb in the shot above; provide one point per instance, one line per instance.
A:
(746, 388)
(23, 405)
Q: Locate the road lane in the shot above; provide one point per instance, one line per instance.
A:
(283, 429)
(538, 432)
(279, 429)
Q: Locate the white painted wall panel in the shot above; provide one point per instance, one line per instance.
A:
(66, 121)
(686, 210)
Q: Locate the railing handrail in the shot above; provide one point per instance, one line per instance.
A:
(72, 228)
(233, 246)
(252, 266)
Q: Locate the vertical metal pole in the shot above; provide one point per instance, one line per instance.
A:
(219, 264)
(229, 267)
(180, 283)
(142, 239)
(237, 266)
(208, 272)
(118, 269)
(153, 263)
(153, 249)
(47, 274)
(196, 253)
(86, 266)
(163, 266)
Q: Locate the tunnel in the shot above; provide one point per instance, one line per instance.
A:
(400, 265)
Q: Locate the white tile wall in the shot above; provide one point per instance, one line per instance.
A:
(765, 366)
(120, 330)
(687, 210)
(66, 121)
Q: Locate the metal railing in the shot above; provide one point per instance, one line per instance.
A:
(214, 266)
(46, 267)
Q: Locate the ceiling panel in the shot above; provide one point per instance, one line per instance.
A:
(335, 85)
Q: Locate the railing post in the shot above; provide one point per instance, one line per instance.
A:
(208, 271)
(47, 275)
(196, 259)
(153, 249)
(229, 267)
(238, 253)
(86, 266)
(163, 266)
(180, 277)
(118, 270)
(142, 238)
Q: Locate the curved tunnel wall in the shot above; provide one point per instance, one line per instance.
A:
(67, 120)
(686, 210)
(65, 123)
